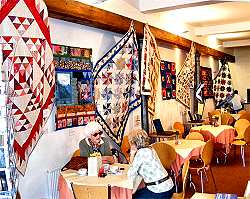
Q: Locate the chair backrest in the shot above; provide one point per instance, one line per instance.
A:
(240, 126)
(226, 119)
(207, 152)
(91, 192)
(195, 136)
(125, 147)
(158, 126)
(245, 116)
(178, 126)
(166, 154)
(247, 135)
(184, 177)
(76, 153)
(242, 112)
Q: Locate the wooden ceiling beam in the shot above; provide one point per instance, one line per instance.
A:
(76, 12)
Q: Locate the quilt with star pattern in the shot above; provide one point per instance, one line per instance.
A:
(117, 87)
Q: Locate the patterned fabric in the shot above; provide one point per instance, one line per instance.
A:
(150, 68)
(147, 164)
(74, 86)
(185, 78)
(117, 88)
(206, 79)
(168, 80)
(199, 93)
(72, 116)
(67, 57)
(223, 84)
(27, 62)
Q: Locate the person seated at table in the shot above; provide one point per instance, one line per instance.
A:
(236, 102)
(146, 163)
(94, 142)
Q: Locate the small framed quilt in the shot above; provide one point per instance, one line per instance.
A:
(168, 80)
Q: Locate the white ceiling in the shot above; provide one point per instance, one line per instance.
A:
(228, 21)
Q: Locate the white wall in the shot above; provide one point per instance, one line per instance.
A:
(55, 148)
(241, 71)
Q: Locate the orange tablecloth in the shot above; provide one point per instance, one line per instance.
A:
(123, 189)
(184, 151)
(223, 134)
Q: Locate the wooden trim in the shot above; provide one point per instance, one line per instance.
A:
(76, 12)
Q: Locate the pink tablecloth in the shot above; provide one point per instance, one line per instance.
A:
(65, 191)
(184, 151)
(176, 166)
(225, 137)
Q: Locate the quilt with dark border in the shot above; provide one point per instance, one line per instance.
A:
(206, 79)
(117, 87)
(29, 71)
(150, 64)
(168, 80)
(222, 84)
(185, 78)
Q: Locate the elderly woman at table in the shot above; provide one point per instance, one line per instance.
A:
(95, 143)
(146, 163)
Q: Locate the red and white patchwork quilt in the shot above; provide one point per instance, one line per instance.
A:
(28, 71)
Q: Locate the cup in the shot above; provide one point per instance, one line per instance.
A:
(106, 168)
(82, 172)
(114, 169)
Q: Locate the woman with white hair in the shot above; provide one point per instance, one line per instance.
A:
(146, 163)
(94, 142)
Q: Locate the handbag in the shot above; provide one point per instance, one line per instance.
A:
(76, 163)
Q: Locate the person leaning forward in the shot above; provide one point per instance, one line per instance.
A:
(94, 142)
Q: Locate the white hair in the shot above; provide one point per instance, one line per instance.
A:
(92, 128)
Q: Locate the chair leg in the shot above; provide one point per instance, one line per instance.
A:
(191, 182)
(242, 151)
(213, 178)
(202, 186)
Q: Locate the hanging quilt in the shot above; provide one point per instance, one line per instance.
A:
(223, 84)
(206, 79)
(74, 86)
(29, 71)
(117, 87)
(185, 78)
(150, 68)
(168, 80)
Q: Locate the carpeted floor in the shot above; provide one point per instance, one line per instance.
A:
(231, 177)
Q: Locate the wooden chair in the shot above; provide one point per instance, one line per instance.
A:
(125, 147)
(195, 136)
(178, 126)
(242, 112)
(76, 153)
(91, 192)
(245, 116)
(184, 182)
(242, 144)
(240, 127)
(167, 156)
(206, 158)
(227, 119)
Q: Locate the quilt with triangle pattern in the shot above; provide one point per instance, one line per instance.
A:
(117, 87)
(150, 63)
(185, 78)
(29, 71)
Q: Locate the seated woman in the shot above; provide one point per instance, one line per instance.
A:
(146, 163)
(94, 142)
